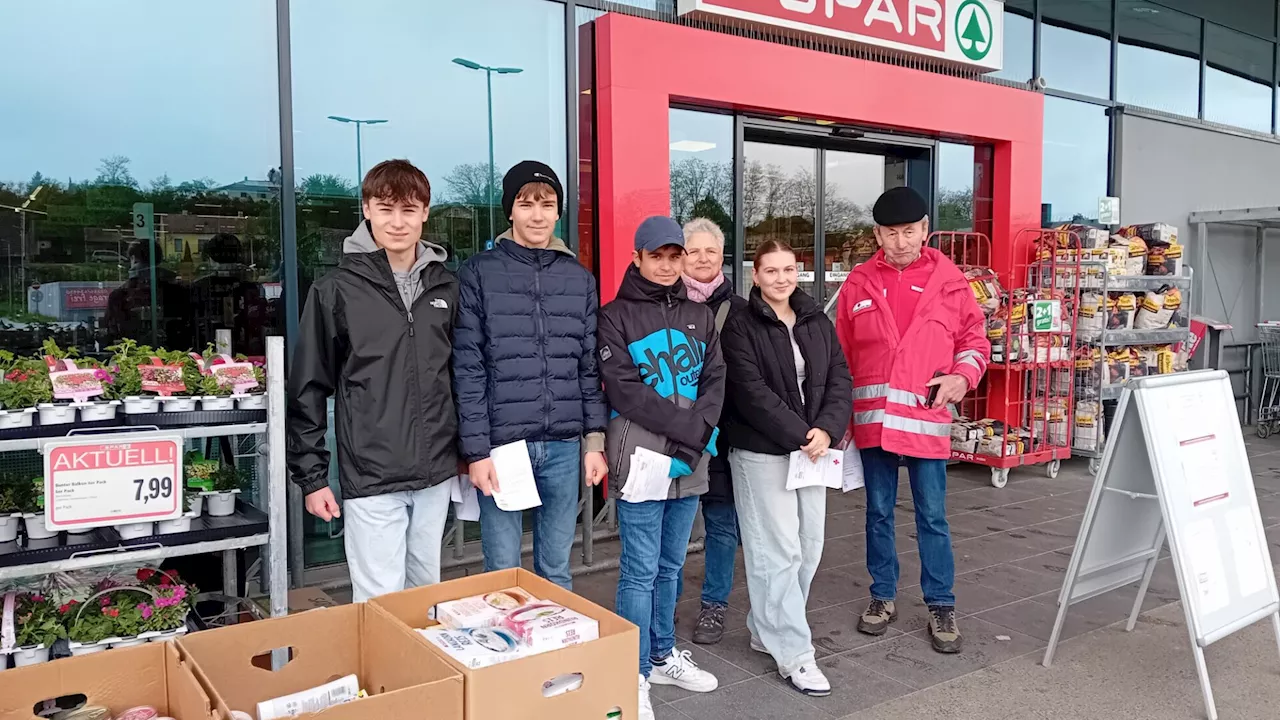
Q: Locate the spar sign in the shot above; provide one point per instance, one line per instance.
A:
(965, 32)
(123, 479)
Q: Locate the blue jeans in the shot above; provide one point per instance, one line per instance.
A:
(933, 535)
(720, 549)
(655, 538)
(556, 466)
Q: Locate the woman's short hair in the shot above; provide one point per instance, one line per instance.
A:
(769, 247)
(703, 225)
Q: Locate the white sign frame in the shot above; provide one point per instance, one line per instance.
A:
(1175, 468)
(121, 441)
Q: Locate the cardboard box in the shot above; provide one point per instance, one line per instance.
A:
(403, 678)
(514, 690)
(156, 674)
(309, 598)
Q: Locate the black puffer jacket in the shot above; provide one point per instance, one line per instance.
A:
(386, 367)
(524, 358)
(721, 483)
(764, 411)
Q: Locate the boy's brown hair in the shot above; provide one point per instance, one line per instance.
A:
(396, 181)
(537, 192)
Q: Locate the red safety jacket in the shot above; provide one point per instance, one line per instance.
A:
(948, 335)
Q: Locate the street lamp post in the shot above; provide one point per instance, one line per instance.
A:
(488, 83)
(359, 163)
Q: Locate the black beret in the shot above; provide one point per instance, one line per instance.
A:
(899, 206)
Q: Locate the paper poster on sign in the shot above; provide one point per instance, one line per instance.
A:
(164, 380)
(1203, 471)
(73, 383)
(1251, 569)
(91, 483)
(1208, 581)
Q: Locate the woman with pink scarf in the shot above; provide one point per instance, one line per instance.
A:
(705, 282)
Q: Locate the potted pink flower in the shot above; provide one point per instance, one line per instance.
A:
(37, 626)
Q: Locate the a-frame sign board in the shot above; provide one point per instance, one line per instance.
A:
(1175, 468)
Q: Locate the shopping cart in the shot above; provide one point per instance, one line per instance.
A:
(1269, 405)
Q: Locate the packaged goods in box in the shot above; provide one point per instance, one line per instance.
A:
(1152, 233)
(1121, 308)
(1157, 360)
(477, 648)
(1086, 236)
(1093, 309)
(1165, 260)
(153, 680)
(986, 288)
(1137, 368)
(547, 626)
(1158, 308)
(485, 610)
(397, 671)
(1117, 258)
(1118, 366)
(1086, 425)
(604, 668)
(1136, 260)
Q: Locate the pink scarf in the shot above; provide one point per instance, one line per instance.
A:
(701, 292)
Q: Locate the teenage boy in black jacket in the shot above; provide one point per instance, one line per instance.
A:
(376, 336)
(663, 375)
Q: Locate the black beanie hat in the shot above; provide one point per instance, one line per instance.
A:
(523, 173)
(899, 206)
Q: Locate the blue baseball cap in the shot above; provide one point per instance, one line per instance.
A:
(658, 232)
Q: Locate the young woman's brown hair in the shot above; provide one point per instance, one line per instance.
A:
(771, 246)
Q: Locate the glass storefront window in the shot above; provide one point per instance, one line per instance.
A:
(1158, 58)
(1075, 49)
(1237, 83)
(1019, 41)
(1076, 137)
(779, 202)
(119, 159)
(435, 104)
(702, 172)
(955, 187)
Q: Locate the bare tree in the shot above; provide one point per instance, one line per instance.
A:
(468, 184)
(114, 170)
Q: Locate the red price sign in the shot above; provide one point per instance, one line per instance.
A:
(92, 483)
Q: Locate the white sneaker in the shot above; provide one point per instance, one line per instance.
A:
(810, 681)
(646, 705)
(680, 670)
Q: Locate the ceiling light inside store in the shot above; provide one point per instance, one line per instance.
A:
(692, 146)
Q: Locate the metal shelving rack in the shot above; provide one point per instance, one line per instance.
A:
(273, 541)
(1090, 376)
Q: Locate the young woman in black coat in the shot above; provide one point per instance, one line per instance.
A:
(788, 390)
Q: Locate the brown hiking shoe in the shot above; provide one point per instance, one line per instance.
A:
(944, 634)
(876, 618)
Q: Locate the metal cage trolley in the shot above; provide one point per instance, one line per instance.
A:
(1269, 404)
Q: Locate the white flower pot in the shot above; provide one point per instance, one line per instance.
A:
(141, 405)
(131, 531)
(51, 414)
(178, 404)
(197, 504)
(177, 525)
(22, 657)
(252, 402)
(36, 528)
(97, 411)
(81, 531)
(78, 649)
(214, 402)
(169, 635)
(220, 504)
(10, 419)
(148, 636)
(128, 642)
(9, 528)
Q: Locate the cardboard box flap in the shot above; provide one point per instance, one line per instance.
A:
(393, 659)
(151, 675)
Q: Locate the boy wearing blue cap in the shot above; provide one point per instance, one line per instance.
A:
(664, 378)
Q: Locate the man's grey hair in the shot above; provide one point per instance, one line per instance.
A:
(703, 225)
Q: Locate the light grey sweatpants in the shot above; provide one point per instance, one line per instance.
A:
(782, 534)
(393, 540)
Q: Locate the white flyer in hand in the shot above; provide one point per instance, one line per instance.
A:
(825, 472)
(649, 477)
(851, 476)
(517, 489)
(466, 503)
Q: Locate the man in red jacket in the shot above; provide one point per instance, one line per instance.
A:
(915, 341)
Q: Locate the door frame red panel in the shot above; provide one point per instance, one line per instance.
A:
(642, 66)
